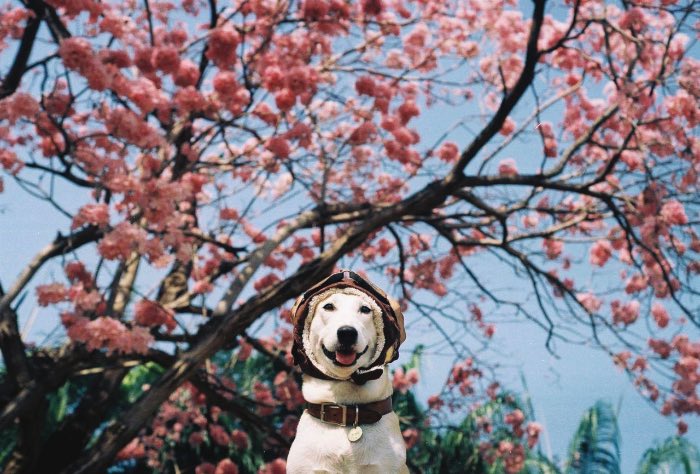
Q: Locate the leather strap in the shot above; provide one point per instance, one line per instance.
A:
(350, 415)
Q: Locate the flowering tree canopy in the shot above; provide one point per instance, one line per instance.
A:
(212, 160)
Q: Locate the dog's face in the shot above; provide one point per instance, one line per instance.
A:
(343, 334)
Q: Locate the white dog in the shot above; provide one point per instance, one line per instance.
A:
(346, 330)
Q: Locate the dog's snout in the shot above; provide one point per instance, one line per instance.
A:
(347, 335)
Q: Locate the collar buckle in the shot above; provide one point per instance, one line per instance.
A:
(344, 409)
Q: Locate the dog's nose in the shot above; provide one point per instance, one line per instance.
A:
(347, 335)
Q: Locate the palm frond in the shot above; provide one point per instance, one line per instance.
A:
(674, 456)
(595, 448)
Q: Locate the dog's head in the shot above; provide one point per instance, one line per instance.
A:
(344, 331)
(345, 326)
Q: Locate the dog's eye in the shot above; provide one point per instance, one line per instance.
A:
(328, 307)
(365, 309)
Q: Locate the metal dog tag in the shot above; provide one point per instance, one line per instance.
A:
(355, 434)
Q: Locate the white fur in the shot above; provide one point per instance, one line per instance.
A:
(324, 448)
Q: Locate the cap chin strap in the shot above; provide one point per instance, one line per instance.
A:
(359, 377)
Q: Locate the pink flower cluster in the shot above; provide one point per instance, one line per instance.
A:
(404, 381)
(151, 314)
(93, 214)
(222, 44)
(19, 105)
(626, 313)
(106, 333)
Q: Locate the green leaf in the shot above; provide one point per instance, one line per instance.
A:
(674, 456)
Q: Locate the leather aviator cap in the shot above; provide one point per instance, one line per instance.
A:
(391, 317)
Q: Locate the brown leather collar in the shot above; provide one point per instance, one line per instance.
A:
(350, 415)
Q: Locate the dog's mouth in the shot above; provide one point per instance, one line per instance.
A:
(343, 357)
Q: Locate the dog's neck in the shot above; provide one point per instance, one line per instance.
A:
(346, 392)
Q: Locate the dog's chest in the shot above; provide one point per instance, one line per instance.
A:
(320, 446)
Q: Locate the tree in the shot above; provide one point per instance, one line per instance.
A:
(212, 161)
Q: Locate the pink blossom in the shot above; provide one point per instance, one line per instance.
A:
(18, 106)
(407, 111)
(300, 79)
(76, 272)
(76, 53)
(508, 126)
(514, 458)
(661, 347)
(600, 253)
(410, 437)
(222, 45)
(94, 214)
(365, 85)
(363, 133)
(633, 159)
(167, 59)
(507, 167)
(121, 241)
(143, 93)
(625, 313)
(660, 315)
(51, 294)
(285, 99)
(634, 19)
(533, 430)
(263, 395)
(187, 74)
(219, 435)
(228, 213)
(402, 382)
(278, 466)
(372, 7)
(10, 161)
(205, 468)
(636, 283)
(531, 220)
(226, 466)
(201, 287)
(589, 301)
(244, 351)
(225, 83)
(134, 450)
(279, 146)
(273, 78)
(265, 113)
(195, 439)
(240, 439)
(314, 9)
(151, 314)
(514, 418)
(125, 124)
(552, 248)
(289, 426)
(405, 136)
(673, 212)
(448, 152)
(106, 333)
(189, 100)
(435, 402)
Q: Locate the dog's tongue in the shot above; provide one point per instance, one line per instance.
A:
(345, 359)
